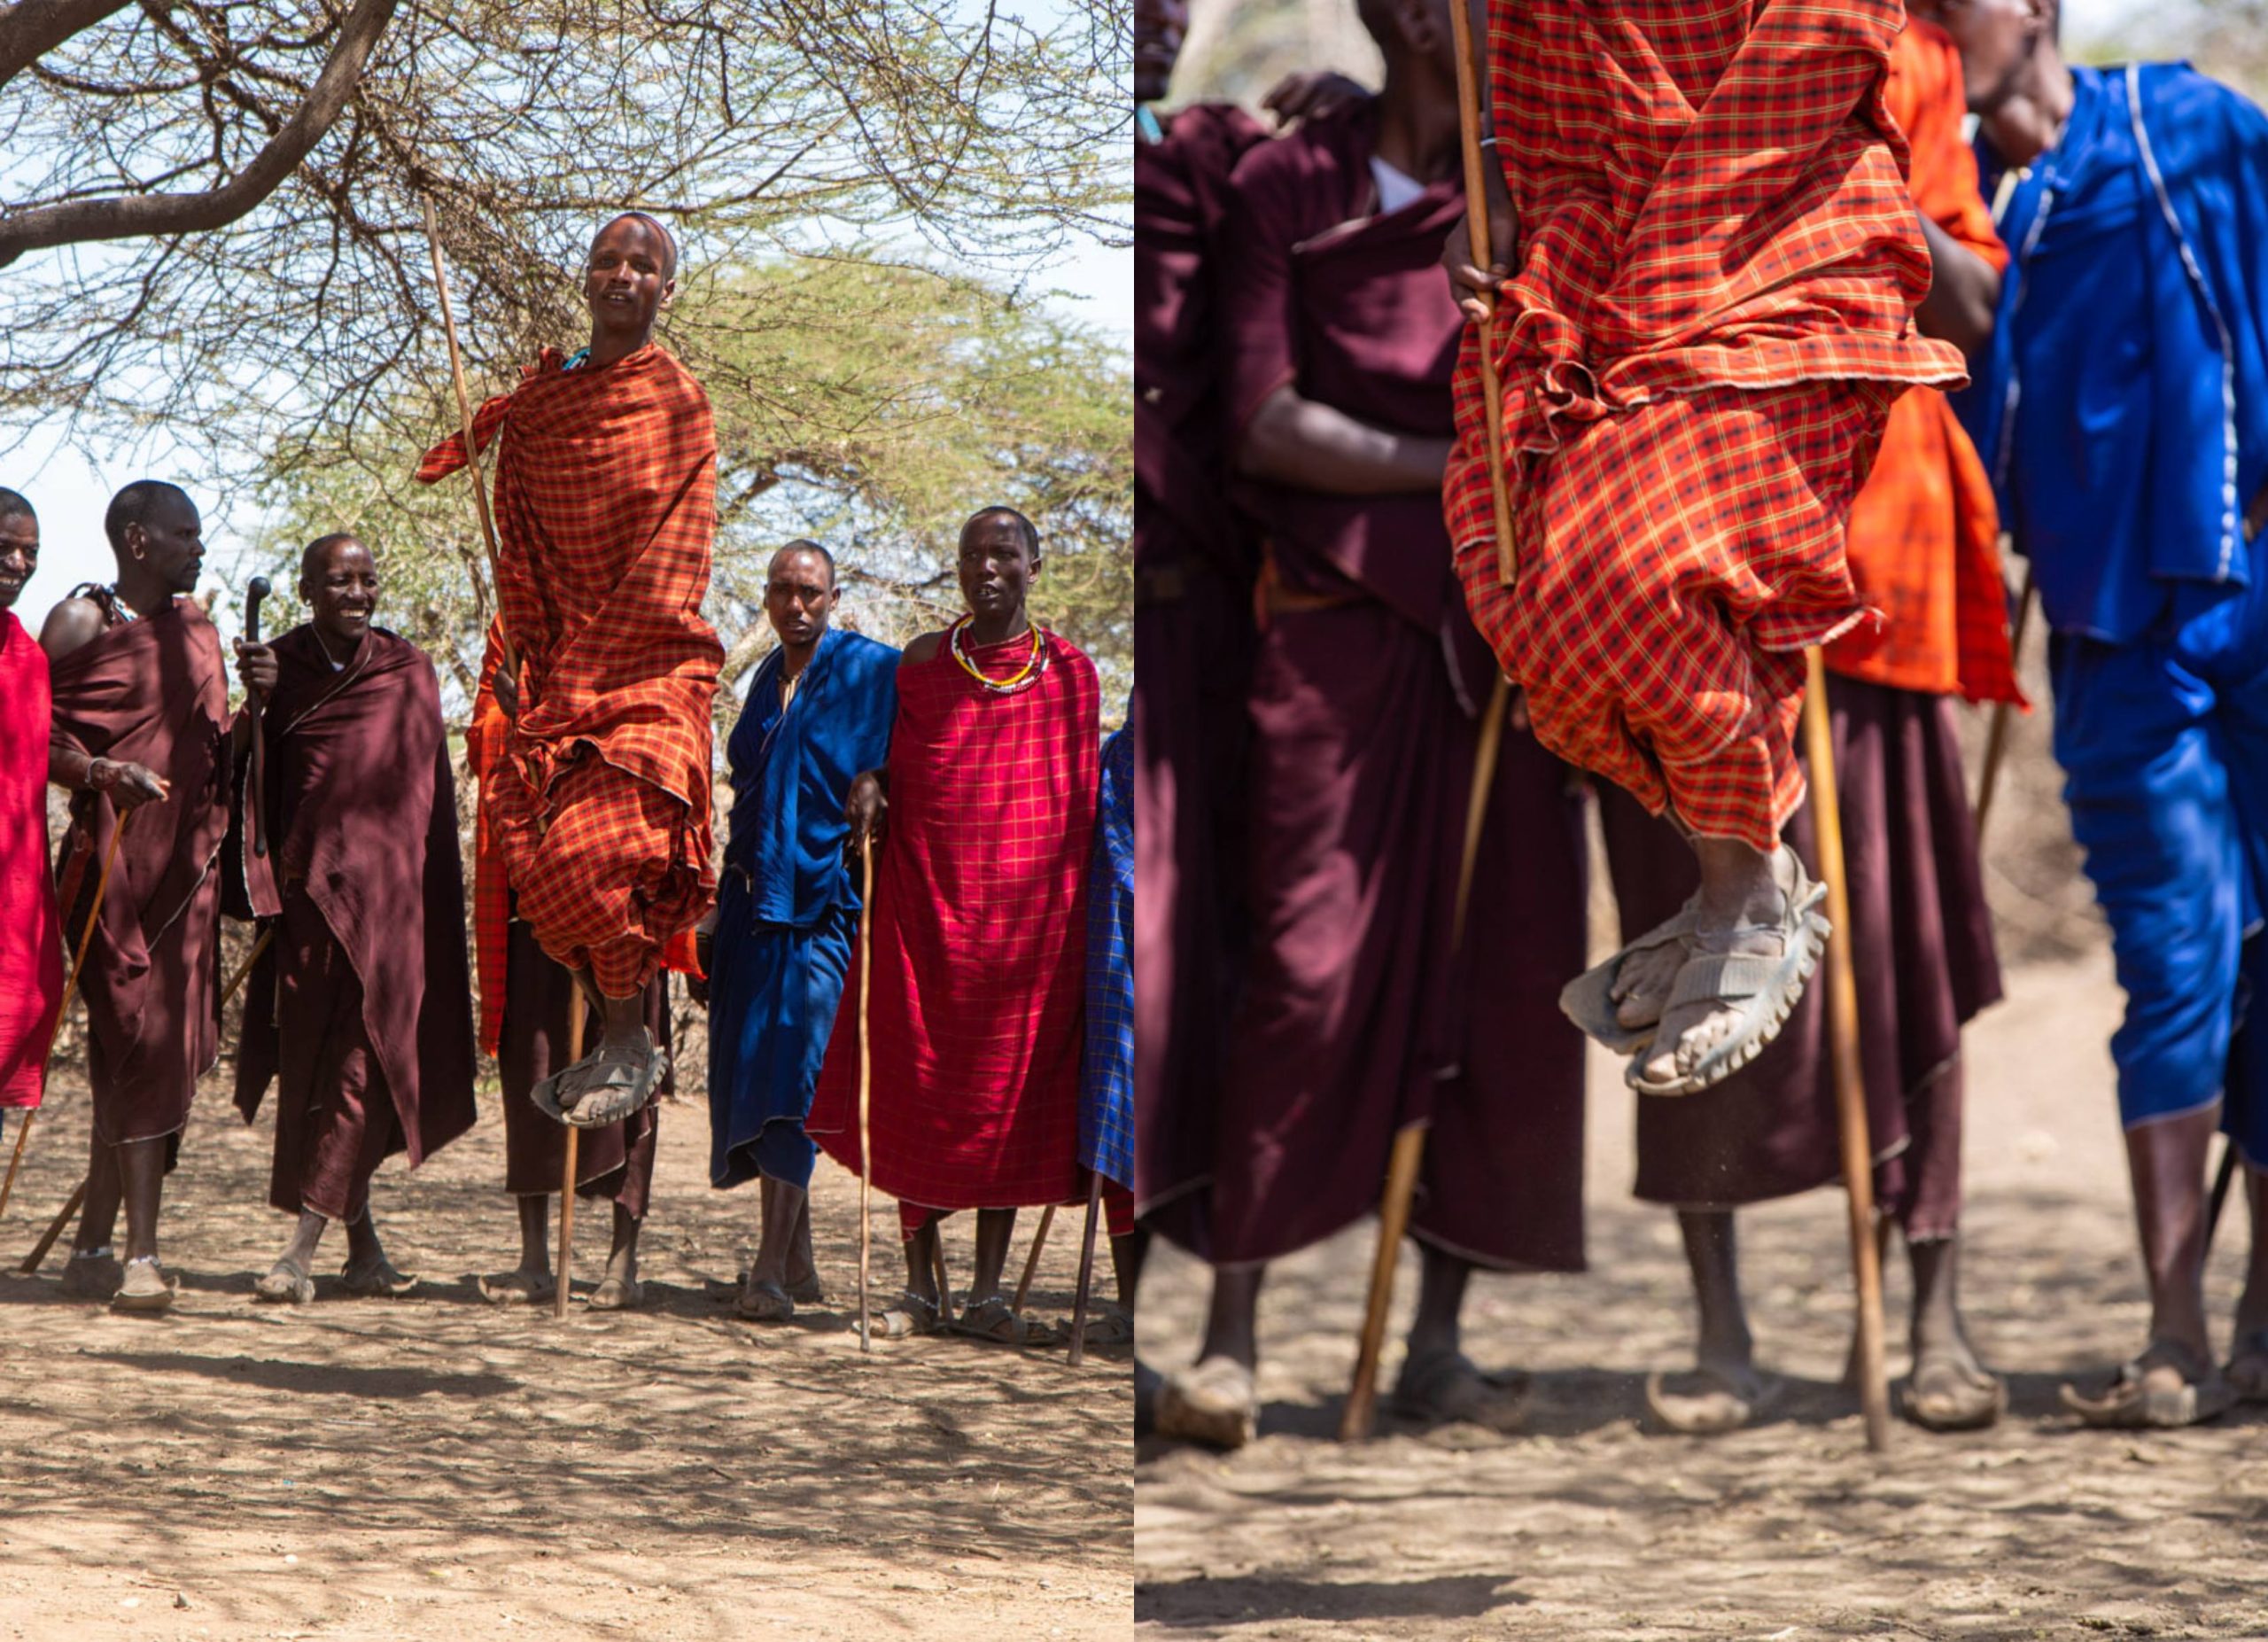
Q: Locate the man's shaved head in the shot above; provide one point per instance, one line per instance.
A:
(668, 239)
(1002, 510)
(802, 545)
(133, 505)
(13, 505)
(318, 552)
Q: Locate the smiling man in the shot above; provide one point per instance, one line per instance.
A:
(363, 1005)
(818, 713)
(606, 482)
(141, 727)
(979, 946)
(31, 938)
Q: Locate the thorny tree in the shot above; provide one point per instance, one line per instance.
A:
(212, 213)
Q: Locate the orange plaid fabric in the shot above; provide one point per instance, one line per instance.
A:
(596, 799)
(1710, 315)
(1925, 531)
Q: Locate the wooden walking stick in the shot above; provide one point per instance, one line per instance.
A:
(471, 451)
(70, 990)
(1996, 739)
(1408, 1154)
(566, 1261)
(1087, 1270)
(1850, 1076)
(1031, 1260)
(866, 1090)
(1476, 229)
(57, 1226)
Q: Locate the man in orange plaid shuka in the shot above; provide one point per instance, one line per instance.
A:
(1707, 319)
(605, 505)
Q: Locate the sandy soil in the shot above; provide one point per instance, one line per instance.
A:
(435, 1467)
(1590, 1526)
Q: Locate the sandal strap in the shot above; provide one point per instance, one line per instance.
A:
(1725, 978)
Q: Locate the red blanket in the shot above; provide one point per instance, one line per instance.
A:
(597, 797)
(361, 807)
(979, 940)
(1709, 319)
(155, 692)
(31, 938)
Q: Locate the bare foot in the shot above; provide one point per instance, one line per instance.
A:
(1642, 989)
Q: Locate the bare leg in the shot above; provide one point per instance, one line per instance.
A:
(300, 1252)
(921, 1261)
(622, 1258)
(98, 1216)
(996, 1228)
(1125, 1265)
(2166, 1160)
(786, 1233)
(1438, 1381)
(1738, 887)
(1232, 1318)
(1723, 1391)
(1949, 1389)
(2248, 1355)
(1441, 1298)
(142, 1169)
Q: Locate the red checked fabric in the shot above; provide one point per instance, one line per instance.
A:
(1925, 531)
(598, 798)
(980, 940)
(1710, 317)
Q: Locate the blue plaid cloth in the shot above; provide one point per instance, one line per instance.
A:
(1106, 1074)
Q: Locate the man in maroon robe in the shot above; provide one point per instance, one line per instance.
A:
(363, 1005)
(31, 935)
(1356, 1015)
(141, 729)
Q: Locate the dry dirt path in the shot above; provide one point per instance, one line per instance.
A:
(1788, 1532)
(433, 1467)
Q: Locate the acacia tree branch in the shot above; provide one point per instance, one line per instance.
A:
(32, 28)
(127, 216)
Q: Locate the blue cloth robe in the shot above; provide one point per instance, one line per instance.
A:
(1106, 1071)
(788, 906)
(2123, 413)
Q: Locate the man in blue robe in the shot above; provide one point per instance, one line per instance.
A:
(1107, 1068)
(779, 943)
(2124, 414)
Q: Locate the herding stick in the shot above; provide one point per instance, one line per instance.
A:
(1476, 229)
(1996, 739)
(1409, 1143)
(865, 1089)
(1031, 1260)
(255, 591)
(55, 1228)
(1408, 1154)
(70, 990)
(1850, 1076)
(1087, 1270)
(471, 451)
(566, 1261)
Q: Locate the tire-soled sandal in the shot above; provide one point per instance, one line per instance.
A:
(2132, 1403)
(1448, 1386)
(285, 1284)
(1215, 1403)
(1589, 1000)
(908, 1315)
(1758, 991)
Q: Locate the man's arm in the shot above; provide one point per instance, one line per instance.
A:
(1964, 292)
(72, 625)
(1296, 441)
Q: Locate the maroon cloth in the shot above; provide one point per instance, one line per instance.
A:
(367, 985)
(1353, 1019)
(31, 934)
(615, 1161)
(1193, 651)
(336, 1119)
(1921, 947)
(979, 938)
(153, 692)
(1351, 309)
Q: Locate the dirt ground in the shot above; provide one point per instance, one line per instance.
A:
(1790, 1531)
(435, 1467)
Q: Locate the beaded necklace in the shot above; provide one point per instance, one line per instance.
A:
(1035, 665)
